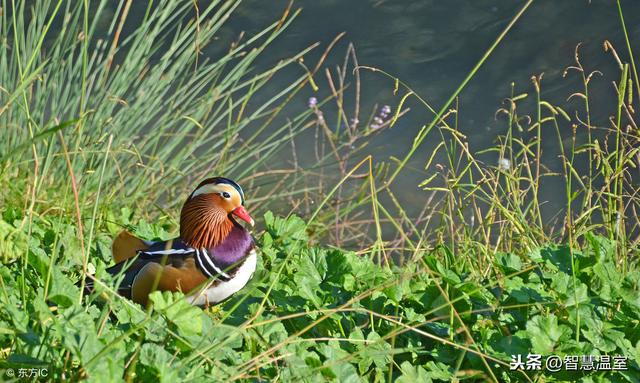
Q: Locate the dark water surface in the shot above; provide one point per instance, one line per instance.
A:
(433, 44)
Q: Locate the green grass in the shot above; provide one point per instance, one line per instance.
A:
(104, 131)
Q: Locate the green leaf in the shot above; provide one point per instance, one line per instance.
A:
(440, 371)
(546, 334)
(578, 296)
(273, 332)
(177, 310)
(557, 258)
(159, 360)
(412, 374)
(609, 279)
(13, 242)
(521, 292)
(376, 351)
(79, 335)
(335, 362)
(62, 291)
(307, 280)
(603, 248)
(288, 230)
(563, 285)
(507, 345)
(508, 262)
(603, 336)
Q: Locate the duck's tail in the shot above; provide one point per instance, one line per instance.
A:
(125, 246)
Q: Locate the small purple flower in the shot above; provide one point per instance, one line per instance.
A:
(312, 102)
(378, 120)
(385, 110)
(375, 126)
(383, 115)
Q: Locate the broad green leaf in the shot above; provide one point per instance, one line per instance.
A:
(159, 360)
(412, 374)
(508, 262)
(546, 335)
(178, 311)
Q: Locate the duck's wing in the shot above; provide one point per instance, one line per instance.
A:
(165, 266)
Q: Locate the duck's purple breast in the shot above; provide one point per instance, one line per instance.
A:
(235, 247)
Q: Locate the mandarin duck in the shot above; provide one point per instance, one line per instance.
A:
(213, 258)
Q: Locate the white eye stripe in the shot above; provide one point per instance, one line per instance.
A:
(220, 189)
(206, 189)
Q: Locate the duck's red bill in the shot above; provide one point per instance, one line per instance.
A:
(241, 213)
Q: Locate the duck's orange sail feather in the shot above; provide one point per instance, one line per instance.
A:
(126, 245)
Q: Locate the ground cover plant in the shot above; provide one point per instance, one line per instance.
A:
(104, 131)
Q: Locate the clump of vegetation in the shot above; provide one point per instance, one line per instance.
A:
(315, 313)
(109, 131)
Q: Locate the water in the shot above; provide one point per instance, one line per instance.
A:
(432, 45)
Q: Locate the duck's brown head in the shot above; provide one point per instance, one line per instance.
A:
(209, 213)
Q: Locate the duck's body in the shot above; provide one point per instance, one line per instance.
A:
(213, 258)
(205, 278)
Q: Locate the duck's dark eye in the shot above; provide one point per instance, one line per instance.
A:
(226, 195)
